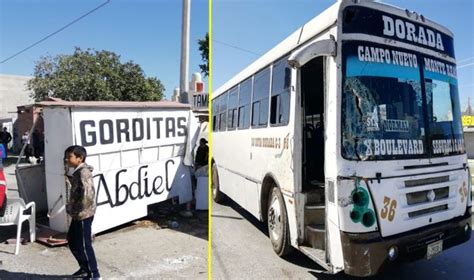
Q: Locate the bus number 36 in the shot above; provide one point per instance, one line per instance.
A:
(388, 210)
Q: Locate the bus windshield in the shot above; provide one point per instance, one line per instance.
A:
(444, 112)
(385, 113)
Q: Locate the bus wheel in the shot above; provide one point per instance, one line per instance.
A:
(277, 221)
(216, 193)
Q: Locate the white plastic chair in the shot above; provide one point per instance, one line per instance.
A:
(14, 216)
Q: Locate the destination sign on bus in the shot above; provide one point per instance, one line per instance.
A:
(405, 30)
(377, 23)
(397, 57)
(446, 146)
(383, 55)
(440, 67)
(381, 147)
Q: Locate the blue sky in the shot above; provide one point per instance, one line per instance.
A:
(145, 31)
(257, 26)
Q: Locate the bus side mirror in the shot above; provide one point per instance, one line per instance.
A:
(319, 48)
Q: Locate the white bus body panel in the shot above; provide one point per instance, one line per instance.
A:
(394, 188)
(333, 226)
(334, 246)
(249, 158)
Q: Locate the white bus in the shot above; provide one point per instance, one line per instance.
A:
(346, 139)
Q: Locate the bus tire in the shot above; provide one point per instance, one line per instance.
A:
(277, 222)
(217, 195)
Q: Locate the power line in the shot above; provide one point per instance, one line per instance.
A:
(465, 65)
(55, 32)
(236, 47)
(465, 60)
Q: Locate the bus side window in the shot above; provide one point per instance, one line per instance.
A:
(280, 101)
(223, 112)
(232, 108)
(245, 92)
(215, 114)
(261, 89)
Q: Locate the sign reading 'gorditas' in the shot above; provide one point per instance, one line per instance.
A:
(109, 131)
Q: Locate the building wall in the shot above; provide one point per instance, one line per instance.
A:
(469, 143)
(27, 115)
(13, 93)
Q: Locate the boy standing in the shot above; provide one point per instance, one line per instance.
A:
(81, 207)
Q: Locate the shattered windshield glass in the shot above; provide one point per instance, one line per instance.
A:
(382, 105)
(444, 112)
(385, 114)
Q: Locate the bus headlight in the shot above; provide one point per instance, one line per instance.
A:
(356, 213)
(368, 219)
(360, 197)
(392, 253)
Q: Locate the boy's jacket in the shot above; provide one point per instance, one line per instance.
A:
(81, 204)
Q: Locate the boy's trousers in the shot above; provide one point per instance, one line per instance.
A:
(80, 242)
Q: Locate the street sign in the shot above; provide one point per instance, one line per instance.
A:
(200, 100)
(467, 121)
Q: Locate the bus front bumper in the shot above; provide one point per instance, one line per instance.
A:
(367, 253)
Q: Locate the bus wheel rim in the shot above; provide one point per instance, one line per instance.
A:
(274, 218)
(213, 185)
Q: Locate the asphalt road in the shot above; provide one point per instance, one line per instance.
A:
(241, 249)
(144, 249)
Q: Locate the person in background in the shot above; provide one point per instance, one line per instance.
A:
(3, 151)
(202, 155)
(25, 140)
(81, 207)
(200, 165)
(5, 138)
(38, 144)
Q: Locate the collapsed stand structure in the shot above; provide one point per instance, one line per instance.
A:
(142, 153)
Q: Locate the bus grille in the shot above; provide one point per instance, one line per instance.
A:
(422, 196)
(427, 181)
(426, 194)
(415, 214)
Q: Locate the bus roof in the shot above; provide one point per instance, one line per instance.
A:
(311, 29)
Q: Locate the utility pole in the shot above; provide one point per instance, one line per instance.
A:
(184, 84)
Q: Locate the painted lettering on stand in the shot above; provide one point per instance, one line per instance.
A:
(93, 132)
(143, 187)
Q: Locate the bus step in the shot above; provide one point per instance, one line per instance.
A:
(316, 236)
(317, 255)
(314, 213)
(315, 197)
(317, 183)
